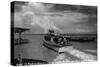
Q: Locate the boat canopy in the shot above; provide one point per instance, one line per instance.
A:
(20, 30)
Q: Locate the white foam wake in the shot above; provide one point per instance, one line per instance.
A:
(92, 51)
(63, 58)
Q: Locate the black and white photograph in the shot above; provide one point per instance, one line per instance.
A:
(52, 33)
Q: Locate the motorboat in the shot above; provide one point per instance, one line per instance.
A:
(55, 41)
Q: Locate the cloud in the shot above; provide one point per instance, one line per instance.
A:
(66, 20)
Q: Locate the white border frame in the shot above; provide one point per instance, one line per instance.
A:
(5, 31)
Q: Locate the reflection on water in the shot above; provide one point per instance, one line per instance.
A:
(20, 41)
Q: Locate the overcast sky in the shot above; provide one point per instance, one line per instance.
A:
(68, 18)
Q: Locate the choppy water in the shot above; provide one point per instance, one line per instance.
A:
(35, 50)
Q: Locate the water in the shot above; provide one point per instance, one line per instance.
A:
(35, 50)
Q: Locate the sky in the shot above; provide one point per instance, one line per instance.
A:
(39, 17)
